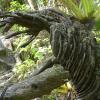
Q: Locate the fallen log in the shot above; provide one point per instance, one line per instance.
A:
(37, 86)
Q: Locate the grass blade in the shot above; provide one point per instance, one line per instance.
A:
(87, 6)
(74, 8)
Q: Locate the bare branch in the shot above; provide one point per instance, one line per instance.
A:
(38, 85)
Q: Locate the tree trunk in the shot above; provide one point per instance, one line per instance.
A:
(73, 46)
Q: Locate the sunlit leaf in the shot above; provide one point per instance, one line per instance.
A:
(74, 8)
(39, 55)
(88, 6)
(63, 89)
(34, 50)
